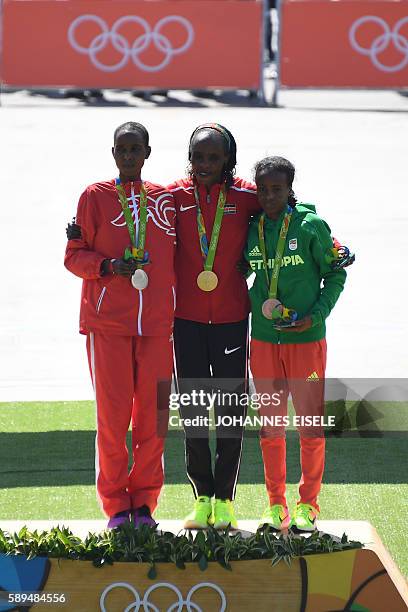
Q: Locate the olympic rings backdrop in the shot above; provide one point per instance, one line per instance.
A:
(348, 43)
(132, 43)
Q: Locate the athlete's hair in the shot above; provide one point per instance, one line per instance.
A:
(132, 126)
(230, 147)
(278, 164)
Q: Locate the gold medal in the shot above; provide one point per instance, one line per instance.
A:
(207, 280)
(271, 305)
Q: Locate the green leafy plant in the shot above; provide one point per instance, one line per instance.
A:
(146, 545)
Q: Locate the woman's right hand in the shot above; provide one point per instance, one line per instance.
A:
(243, 267)
(124, 267)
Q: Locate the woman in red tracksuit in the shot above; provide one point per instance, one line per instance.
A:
(211, 325)
(125, 256)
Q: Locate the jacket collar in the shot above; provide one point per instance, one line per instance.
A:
(279, 220)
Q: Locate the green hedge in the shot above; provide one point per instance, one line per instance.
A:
(146, 545)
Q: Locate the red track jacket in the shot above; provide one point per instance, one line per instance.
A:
(229, 301)
(110, 304)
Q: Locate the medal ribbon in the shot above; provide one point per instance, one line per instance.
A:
(137, 249)
(273, 284)
(208, 252)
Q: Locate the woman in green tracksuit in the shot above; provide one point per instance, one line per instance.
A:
(296, 286)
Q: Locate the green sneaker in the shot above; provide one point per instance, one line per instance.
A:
(304, 518)
(223, 514)
(198, 518)
(275, 516)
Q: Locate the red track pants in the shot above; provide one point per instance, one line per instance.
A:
(125, 371)
(298, 369)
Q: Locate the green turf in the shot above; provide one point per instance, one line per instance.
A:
(47, 472)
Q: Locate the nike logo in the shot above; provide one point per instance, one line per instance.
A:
(183, 208)
(229, 351)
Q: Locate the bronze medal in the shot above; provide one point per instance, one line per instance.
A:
(207, 280)
(269, 306)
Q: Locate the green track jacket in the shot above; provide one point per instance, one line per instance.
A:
(306, 281)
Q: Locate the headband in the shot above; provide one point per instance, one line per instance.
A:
(214, 126)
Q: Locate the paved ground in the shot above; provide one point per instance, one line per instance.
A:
(350, 149)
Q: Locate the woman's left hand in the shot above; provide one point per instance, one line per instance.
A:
(73, 231)
(301, 326)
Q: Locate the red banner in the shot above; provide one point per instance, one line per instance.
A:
(358, 43)
(132, 43)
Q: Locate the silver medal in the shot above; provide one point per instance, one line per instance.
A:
(140, 280)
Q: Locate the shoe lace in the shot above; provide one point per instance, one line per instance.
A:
(122, 514)
(142, 511)
(224, 503)
(304, 510)
(276, 512)
(224, 507)
(202, 499)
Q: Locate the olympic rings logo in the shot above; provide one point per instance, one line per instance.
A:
(145, 605)
(381, 42)
(137, 47)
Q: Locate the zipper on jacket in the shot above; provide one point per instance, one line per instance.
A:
(136, 219)
(139, 315)
(99, 302)
(208, 200)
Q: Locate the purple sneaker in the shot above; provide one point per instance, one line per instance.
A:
(142, 516)
(118, 519)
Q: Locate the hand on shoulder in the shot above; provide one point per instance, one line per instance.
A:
(73, 231)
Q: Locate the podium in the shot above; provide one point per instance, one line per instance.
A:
(364, 580)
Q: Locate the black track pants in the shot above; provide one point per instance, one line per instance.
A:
(212, 351)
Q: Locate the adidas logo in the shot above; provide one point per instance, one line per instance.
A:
(313, 376)
(255, 251)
